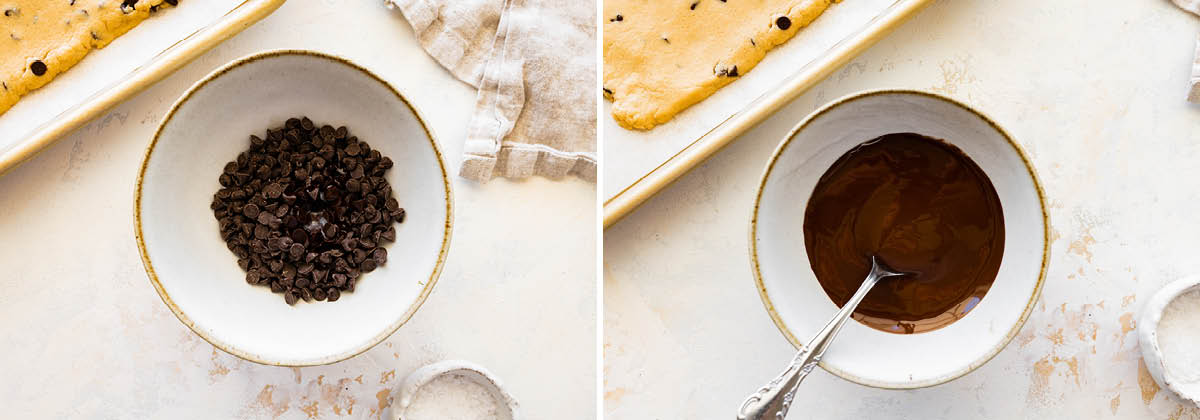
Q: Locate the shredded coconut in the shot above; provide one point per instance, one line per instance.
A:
(1179, 339)
(453, 397)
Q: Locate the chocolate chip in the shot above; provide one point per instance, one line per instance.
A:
(273, 190)
(296, 251)
(783, 23)
(617, 19)
(368, 266)
(38, 68)
(694, 5)
(299, 235)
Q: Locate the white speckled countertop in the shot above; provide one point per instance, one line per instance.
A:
(1094, 92)
(84, 335)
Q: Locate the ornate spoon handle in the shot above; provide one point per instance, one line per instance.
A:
(771, 402)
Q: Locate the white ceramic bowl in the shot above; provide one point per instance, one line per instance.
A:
(198, 277)
(798, 304)
(1147, 327)
(509, 409)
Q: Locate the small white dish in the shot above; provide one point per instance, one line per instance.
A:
(1147, 327)
(798, 304)
(198, 277)
(507, 405)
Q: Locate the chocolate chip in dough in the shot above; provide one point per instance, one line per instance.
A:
(617, 19)
(783, 23)
(727, 72)
(38, 68)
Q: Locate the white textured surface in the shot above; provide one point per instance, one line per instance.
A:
(85, 335)
(1095, 92)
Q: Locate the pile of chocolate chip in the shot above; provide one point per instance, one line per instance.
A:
(306, 210)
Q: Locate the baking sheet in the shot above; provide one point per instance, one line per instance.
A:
(145, 54)
(639, 163)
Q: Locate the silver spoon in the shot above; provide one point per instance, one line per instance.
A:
(773, 399)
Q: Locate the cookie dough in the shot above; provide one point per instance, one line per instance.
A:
(41, 38)
(662, 56)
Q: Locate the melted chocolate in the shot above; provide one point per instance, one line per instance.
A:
(924, 208)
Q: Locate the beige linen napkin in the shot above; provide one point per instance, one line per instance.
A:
(1194, 83)
(534, 62)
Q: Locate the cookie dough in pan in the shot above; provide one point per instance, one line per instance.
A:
(41, 38)
(662, 56)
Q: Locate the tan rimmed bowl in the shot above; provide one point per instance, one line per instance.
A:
(800, 307)
(198, 277)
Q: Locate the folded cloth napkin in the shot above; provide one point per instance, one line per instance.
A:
(1194, 82)
(534, 62)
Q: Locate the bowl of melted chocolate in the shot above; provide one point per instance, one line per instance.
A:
(934, 189)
